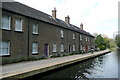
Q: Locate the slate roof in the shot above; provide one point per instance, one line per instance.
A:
(33, 13)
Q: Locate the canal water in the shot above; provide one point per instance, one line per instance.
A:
(102, 67)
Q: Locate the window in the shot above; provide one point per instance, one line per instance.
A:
(4, 48)
(62, 48)
(62, 34)
(35, 29)
(6, 21)
(54, 48)
(80, 37)
(80, 47)
(35, 48)
(73, 36)
(18, 24)
(73, 47)
(86, 38)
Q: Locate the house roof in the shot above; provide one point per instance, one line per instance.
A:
(33, 13)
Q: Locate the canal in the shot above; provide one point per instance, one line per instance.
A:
(105, 66)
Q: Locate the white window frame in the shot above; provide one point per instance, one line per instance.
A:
(36, 27)
(80, 37)
(73, 35)
(62, 34)
(81, 47)
(54, 47)
(86, 38)
(21, 27)
(62, 47)
(35, 46)
(8, 27)
(73, 47)
(8, 48)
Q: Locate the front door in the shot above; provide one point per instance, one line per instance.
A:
(46, 50)
(86, 48)
(69, 48)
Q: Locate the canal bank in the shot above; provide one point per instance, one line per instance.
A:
(26, 69)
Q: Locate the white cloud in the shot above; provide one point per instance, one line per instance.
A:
(94, 14)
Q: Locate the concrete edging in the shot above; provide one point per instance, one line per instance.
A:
(41, 70)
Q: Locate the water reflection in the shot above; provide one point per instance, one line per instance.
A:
(105, 66)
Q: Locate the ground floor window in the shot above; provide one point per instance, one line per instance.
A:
(54, 47)
(62, 47)
(81, 47)
(4, 48)
(73, 47)
(35, 48)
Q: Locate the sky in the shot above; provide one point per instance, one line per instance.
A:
(97, 16)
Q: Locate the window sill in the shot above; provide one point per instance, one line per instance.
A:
(6, 29)
(62, 37)
(35, 34)
(19, 31)
(34, 53)
(4, 55)
(55, 52)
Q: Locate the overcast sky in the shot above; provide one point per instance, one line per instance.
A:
(100, 16)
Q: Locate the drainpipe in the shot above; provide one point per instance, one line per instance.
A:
(28, 36)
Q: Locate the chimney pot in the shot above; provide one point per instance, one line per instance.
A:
(81, 26)
(54, 13)
(67, 19)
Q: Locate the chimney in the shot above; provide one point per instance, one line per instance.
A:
(67, 19)
(54, 13)
(81, 26)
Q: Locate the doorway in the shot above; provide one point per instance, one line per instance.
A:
(69, 48)
(46, 50)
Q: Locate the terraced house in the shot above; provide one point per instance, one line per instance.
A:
(27, 32)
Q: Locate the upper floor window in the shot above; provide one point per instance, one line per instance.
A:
(18, 24)
(80, 37)
(62, 47)
(4, 48)
(73, 47)
(54, 48)
(35, 48)
(62, 34)
(35, 29)
(73, 36)
(6, 21)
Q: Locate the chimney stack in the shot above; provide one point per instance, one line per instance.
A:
(81, 26)
(67, 19)
(54, 13)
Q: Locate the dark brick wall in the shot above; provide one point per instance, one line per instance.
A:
(21, 42)
(18, 40)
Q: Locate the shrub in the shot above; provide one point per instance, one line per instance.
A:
(102, 47)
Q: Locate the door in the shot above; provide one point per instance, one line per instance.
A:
(46, 50)
(69, 48)
(86, 48)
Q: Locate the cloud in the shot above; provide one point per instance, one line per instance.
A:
(94, 14)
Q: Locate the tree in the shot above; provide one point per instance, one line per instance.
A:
(99, 40)
(95, 34)
(102, 42)
(117, 38)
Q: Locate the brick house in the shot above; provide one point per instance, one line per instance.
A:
(27, 32)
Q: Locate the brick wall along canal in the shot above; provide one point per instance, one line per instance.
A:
(105, 66)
